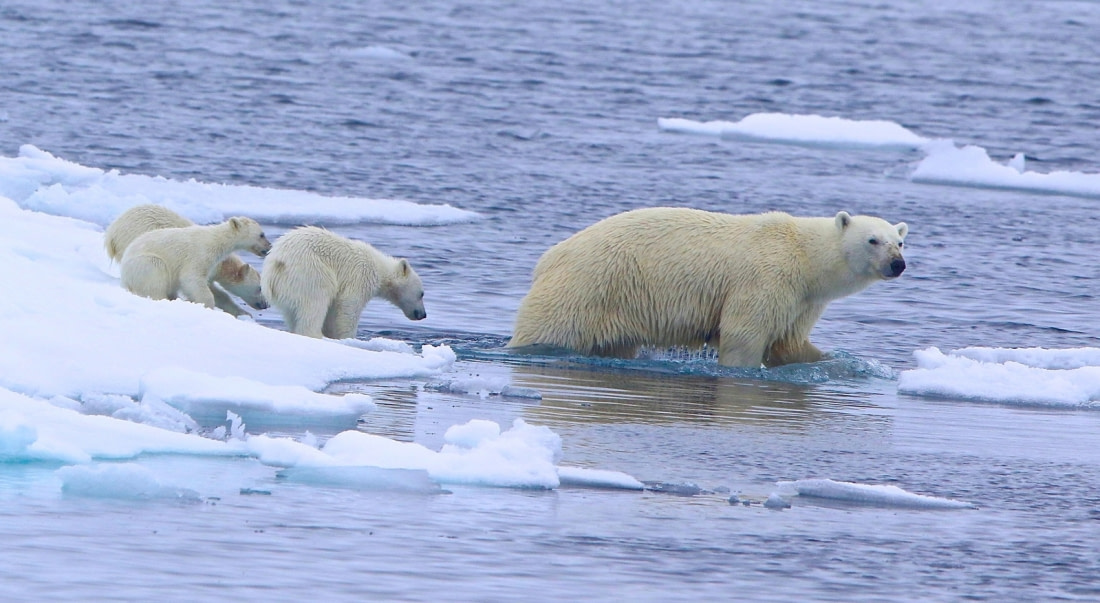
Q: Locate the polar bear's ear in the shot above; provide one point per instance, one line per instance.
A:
(236, 223)
(903, 229)
(843, 219)
(403, 267)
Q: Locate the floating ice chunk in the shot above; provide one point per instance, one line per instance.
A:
(364, 478)
(207, 398)
(597, 478)
(1067, 358)
(1018, 163)
(35, 430)
(810, 130)
(996, 377)
(971, 165)
(776, 502)
(125, 481)
(869, 494)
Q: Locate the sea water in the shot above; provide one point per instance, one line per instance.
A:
(543, 118)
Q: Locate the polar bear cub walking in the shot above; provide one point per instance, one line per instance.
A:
(233, 274)
(321, 282)
(163, 264)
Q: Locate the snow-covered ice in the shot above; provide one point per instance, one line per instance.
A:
(868, 494)
(812, 130)
(37, 180)
(944, 161)
(1033, 376)
(91, 375)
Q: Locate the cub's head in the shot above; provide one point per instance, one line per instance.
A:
(251, 234)
(404, 290)
(872, 246)
(241, 280)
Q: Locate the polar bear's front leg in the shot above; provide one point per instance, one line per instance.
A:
(786, 352)
(342, 321)
(740, 347)
(197, 289)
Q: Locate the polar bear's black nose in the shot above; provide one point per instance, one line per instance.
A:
(897, 267)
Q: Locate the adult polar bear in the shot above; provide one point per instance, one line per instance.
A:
(321, 281)
(751, 285)
(233, 273)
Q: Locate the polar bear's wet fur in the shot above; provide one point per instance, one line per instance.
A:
(753, 286)
(172, 262)
(321, 281)
(233, 274)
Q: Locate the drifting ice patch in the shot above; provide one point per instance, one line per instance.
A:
(124, 481)
(416, 481)
(868, 494)
(598, 478)
(944, 161)
(807, 130)
(1067, 378)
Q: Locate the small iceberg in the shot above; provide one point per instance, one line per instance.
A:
(867, 494)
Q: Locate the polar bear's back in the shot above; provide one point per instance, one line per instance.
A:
(137, 221)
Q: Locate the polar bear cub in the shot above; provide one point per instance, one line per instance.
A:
(233, 274)
(167, 263)
(321, 281)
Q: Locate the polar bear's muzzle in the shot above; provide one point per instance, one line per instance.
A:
(896, 267)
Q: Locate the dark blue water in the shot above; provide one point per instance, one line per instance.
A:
(541, 116)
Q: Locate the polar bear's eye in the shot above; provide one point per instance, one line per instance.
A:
(873, 241)
(901, 243)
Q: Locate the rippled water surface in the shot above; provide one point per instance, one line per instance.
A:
(541, 116)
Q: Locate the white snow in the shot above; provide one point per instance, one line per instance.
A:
(37, 180)
(1034, 376)
(870, 494)
(91, 375)
(201, 396)
(944, 162)
(813, 130)
(971, 166)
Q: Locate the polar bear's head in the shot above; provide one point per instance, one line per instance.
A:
(872, 246)
(241, 280)
(251, 234)
(404, 290)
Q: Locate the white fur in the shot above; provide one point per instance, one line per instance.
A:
(321, 281)
(751, 285)
(233, 274)
(169, 262)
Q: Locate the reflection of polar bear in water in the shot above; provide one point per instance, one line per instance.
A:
(165, 263)
(233, 274)
(321, 282)
(751, 285)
